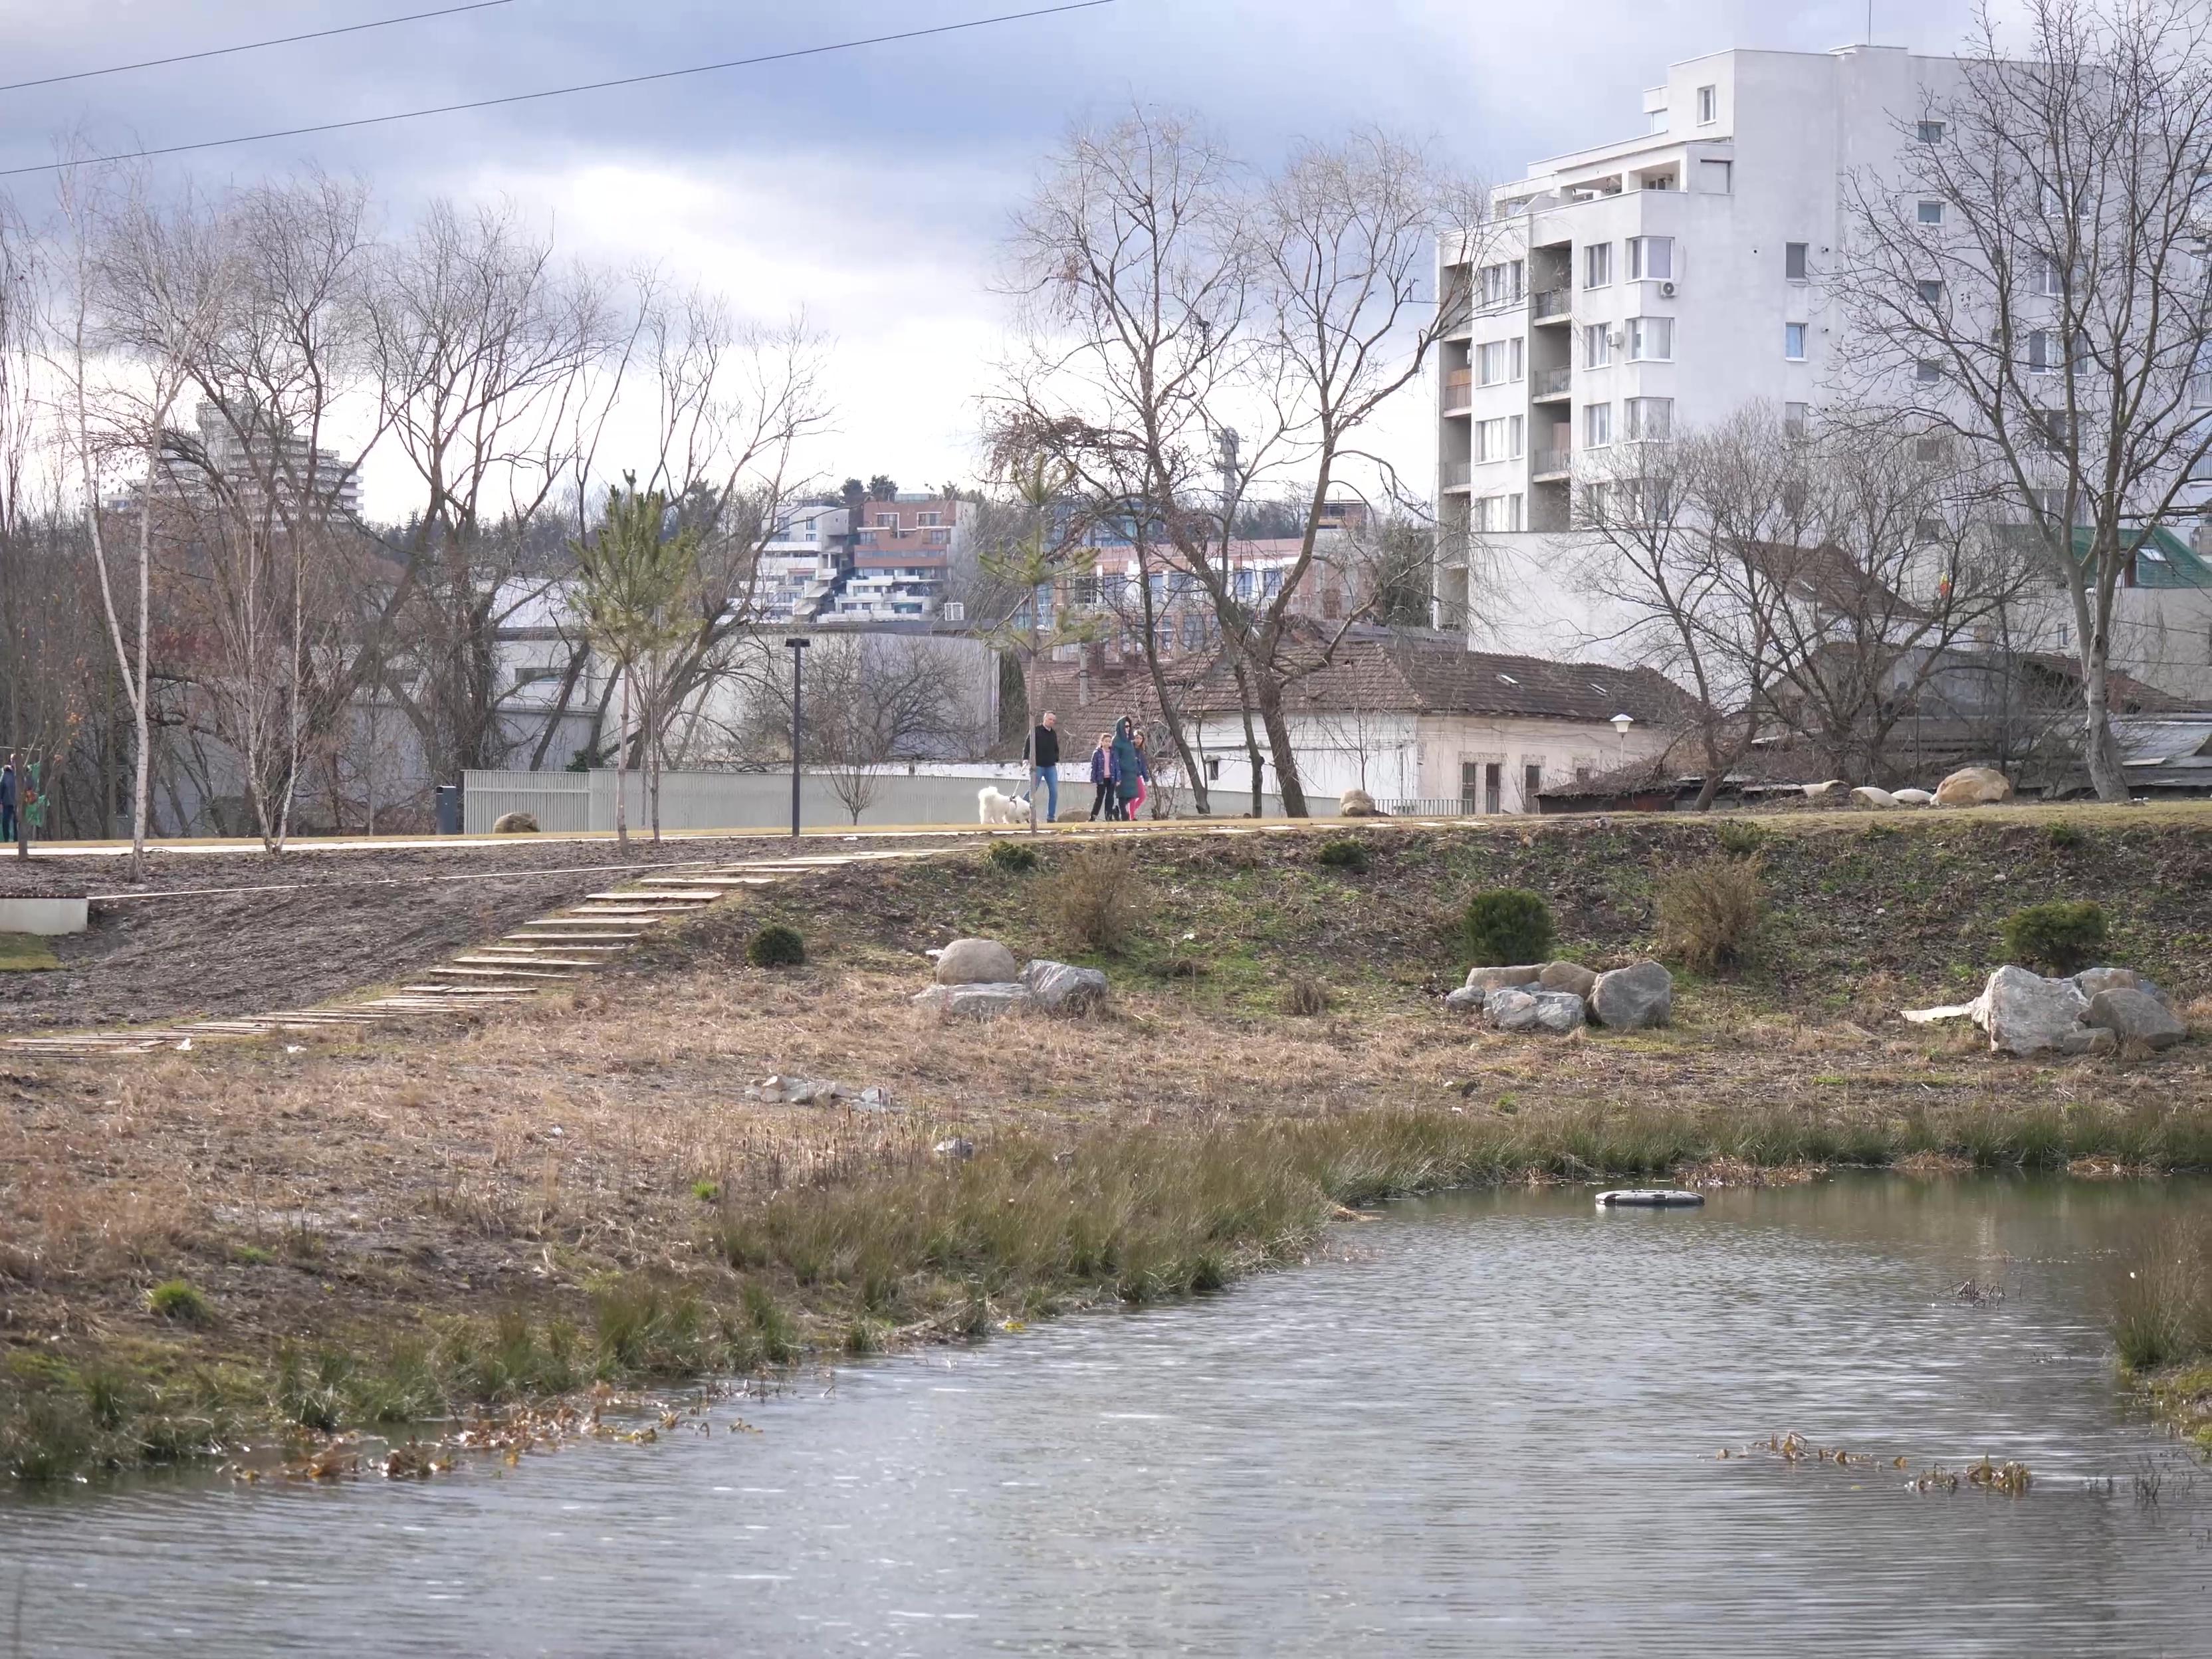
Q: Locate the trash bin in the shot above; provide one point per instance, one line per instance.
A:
(449, 809)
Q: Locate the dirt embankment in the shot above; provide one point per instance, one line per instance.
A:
(210, 934)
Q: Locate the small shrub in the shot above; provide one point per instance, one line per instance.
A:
(1012, 857)
(706, 1191)
(777, 946)
(178, 1299)
(1305, 997)
(2063, 936)
(2065, 837)
(1093, 899)
(1506, 927)
(1740, 840)
(1343, 854)
(2163, 1313)
(1709, 911)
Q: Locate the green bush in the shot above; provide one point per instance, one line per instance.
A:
(777, 946)
(1343, 854)
(2065, 837)
(2063, 936)
(1709, 911)
(1012, 856)
(1738, 839)
(178, 1299)
(1095, 899)
(1507, 926)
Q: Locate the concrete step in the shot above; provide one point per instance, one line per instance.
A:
(577, 941)
(695, 896)
(493, 972)
(523, 959)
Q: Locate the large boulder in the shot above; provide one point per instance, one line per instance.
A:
(1835, 789)
(2135, 1017)
(1059, 988)
(1511, 1008)
(1912, 796)
(1358, 804)
(1866, 795)
(1558, 1011)
(1974, 786)
(2026, 1014)
(1493, 978)
(514, 824)
(976, 961)
(1634, 998)
(1571, 976)
(1468, 999)
(975, 1001)
(2095, 980)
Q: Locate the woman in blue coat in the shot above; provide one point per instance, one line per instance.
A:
(1130, 768)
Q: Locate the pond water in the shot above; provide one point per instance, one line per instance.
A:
(1485, 1423)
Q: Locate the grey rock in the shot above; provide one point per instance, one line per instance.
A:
(1468, 999)
(981, 1001)
(2133, 1016)
(959, 1146)
(1558, 1011)
(1833, 789)
(800, 1091)
(2089, 1040)
(1866, 795)
(1061, 988)
(976, 961)
(1634, 998)
(1568, 976)
(514, 824)
(1493, 978)
(2025, 1013)
(1974, 786)
(1511, 1008)
(2094, 980)
(1913, 797)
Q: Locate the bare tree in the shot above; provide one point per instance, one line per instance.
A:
(2049, 309)
(870, 701)
(1175, 296)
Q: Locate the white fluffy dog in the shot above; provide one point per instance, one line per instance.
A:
(992, 808)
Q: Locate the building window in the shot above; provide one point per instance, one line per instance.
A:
(1497, 514)
(926, 520)
(1713, 177)
(939, 538)
(1658, 122)
(887, 521)
(1532, 784)
(1496, 362)
(2055, 428)
(2042, 352)
(1597, 345)
(1709, 105)
(1793, 261)
(1651, 258)
(1651, 420)
(2049, 276)
(1931, 132)
(1497, 440)
(1793, 342)
(1501, 284)
(1928, 370)
(1597, 265)
(1931, 213)
(1651, 339)
(1931, 291)
(1796, 419)
(1597, 425)
(1932, 452)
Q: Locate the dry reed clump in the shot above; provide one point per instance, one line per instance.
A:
(1305, 997)
(1091, 899)
(1711, 912)
(2162, 1314)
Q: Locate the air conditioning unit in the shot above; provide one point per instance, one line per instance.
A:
(1616, 338)
(1666, 290)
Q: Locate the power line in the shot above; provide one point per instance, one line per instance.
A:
(561, 92)
(254, 45)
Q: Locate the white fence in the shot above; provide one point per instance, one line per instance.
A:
(574, 801)
(1452, 807)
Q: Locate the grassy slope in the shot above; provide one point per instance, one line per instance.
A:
(386, 1228)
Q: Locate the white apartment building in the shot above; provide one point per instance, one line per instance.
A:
(801, 565)
(1657, 283)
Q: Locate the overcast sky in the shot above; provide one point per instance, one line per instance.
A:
(869, 187)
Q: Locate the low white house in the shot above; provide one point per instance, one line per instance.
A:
(1415, 719)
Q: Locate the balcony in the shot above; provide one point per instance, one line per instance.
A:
(1548, 384)
(1550, 305)
(1456, 321)
(1454, 475)
(1459, 391)
(1551, 463)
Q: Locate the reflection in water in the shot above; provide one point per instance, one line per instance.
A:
(1489, 1424)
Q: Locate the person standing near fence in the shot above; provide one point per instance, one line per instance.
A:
(1044, 765)
(8, 801)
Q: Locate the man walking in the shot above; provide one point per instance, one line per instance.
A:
(1044, 765)
(8, 801)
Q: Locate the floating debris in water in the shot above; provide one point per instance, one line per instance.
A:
(2012, 1479)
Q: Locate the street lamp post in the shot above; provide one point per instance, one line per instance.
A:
(796, 647)
(1620, 723)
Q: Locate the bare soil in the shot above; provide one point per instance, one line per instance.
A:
(208, 934)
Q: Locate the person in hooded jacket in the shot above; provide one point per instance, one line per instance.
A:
(1130, 769)
(1102, 779)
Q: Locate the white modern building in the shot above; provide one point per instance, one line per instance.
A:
(801, 565)
(1660, 284)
